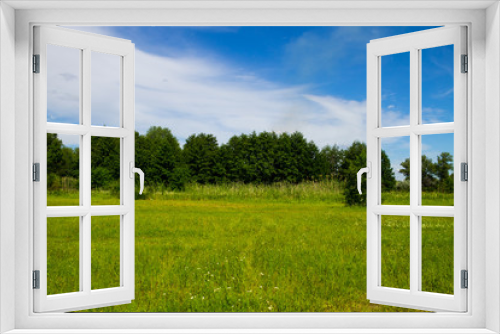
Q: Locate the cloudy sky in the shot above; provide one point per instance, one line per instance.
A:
(232, 80)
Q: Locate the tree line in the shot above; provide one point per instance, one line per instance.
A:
(262, 158)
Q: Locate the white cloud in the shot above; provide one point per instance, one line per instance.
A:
(192, 95)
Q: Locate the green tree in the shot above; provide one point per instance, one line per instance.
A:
(200, 154)
(429, 182)
(285, 167)
(405, 170)
(54, 153)
(162, 155)
(428, 179)
(305, 156)
(354, 160)
(331, 158)
(105, 162)
(443, 165)
(388, 177)
(62, 162)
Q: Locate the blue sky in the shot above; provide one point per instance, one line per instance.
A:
(232, 80)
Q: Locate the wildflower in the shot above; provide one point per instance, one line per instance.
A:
(261, 274)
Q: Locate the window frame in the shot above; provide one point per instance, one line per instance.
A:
(480, 314)
(86, 44)
(414, 44)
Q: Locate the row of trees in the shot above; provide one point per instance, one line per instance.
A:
(262, 158)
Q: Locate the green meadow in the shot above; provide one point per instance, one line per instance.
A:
(250, 248)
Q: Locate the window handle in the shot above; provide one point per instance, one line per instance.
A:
(368, 171)
(134, 170)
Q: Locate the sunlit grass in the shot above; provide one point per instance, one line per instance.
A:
(428, 198)
(248, 248)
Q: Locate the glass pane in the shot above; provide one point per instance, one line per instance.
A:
(437, 254)
(63, 169)
(63, 255)
(395, 99)
(396, 251)
(437, 169)
(105, 252)
(106, 76)
(395, 171)
(105, 155)
(437, 84)
(63, 84)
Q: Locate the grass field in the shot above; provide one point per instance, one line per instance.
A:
(248, 248)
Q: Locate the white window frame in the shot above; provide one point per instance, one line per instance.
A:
(123, 50)
(482, 19)
(414, 43)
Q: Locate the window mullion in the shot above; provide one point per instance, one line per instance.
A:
(414, 171)
(85, 245)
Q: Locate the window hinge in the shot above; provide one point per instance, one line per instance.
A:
(465, 279)
(465, 63)
(36, 279)
(464, 172)
(36, 63)
(36, 172)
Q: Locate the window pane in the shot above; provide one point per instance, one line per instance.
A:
(395, 99)
(63, 84)
(437, 254)
(395, 171)
(437, 84)
(396, 251)
(105, 252)
(106, 76)
(63, 255)
(63, 169)
(437, 169)
(105, 176)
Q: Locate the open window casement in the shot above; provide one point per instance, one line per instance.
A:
(85, 47)
(416, 297)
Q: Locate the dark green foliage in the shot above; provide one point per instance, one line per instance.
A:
(442, 167)
(201, 156)
(62, 162)
(428, 178)
(162, 153)
(331, 158)
(388, 177)
(105, 162)
(267, 157)
(179, 178)
(262, 158)
(354, 160)
(435, 176)
(405, 170)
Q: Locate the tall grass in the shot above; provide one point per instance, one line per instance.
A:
(322, 191)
